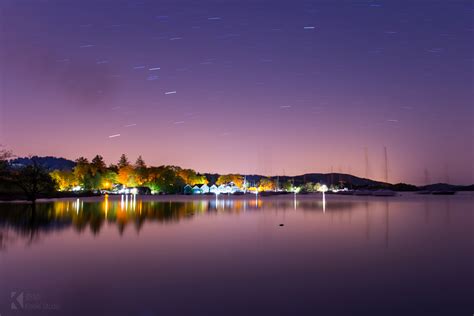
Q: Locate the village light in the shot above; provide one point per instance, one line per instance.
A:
(323, 189)
(76, 188)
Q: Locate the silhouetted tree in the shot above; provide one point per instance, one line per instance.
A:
(123, 162)
(141, 171)
(140, 163)
(33, 180)
(4, 156)
(98, 165)
(113, 168)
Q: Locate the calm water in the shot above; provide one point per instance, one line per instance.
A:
(406, 255)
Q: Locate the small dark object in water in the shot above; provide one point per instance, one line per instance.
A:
(282, 224)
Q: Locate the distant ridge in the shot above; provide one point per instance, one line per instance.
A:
(327, 178)
(446, 187)
(52, 163)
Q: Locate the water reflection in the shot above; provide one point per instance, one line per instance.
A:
(131, 210)
(366, 250)
(387, 223)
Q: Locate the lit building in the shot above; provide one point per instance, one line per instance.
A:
(205, 189)
(197, 190)
(213, 189)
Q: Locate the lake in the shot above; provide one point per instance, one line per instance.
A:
(352, 255)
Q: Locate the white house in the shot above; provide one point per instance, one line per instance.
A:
(188, 189)
(205, 189)
(221, 189)
(214, 189)
(196, 190)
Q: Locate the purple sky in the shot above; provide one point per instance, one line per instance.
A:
(269, 87)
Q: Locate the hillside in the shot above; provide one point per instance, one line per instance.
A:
(51, 163)
(48, 162)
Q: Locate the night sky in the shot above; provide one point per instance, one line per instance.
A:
(268, 87)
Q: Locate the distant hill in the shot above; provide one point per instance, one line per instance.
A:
(327, 178)
(347, 180)
(447, 187)
(48, 162)
(350, 181)
(332, 178)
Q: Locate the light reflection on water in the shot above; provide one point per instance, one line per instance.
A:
(129, 209)
(373, 253)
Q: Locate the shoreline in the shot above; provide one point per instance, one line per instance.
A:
(191, 198)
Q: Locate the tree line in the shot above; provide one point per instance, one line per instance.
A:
(35, 180)
(96, 175)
